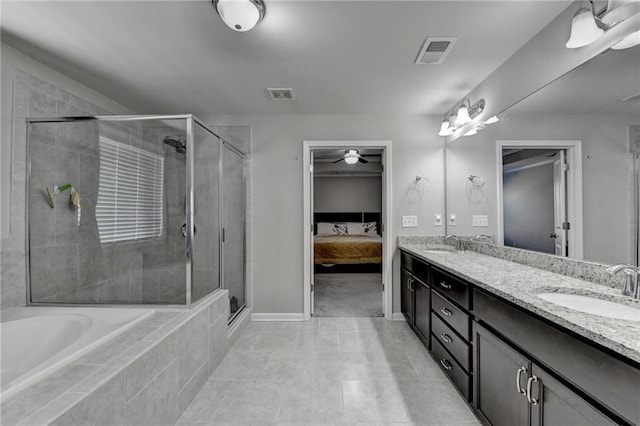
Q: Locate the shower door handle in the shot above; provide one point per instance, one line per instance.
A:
(183, 230)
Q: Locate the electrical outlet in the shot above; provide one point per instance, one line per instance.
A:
(452, 220)
(437, 219)
(409, 221)
(480, 220)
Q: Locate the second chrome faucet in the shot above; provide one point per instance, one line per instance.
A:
(631, 281)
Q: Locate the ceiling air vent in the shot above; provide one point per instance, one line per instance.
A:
(281, 94)
(434, 50)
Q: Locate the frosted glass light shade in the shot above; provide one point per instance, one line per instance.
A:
(631, 40)
(240, 15)
(350, 159)
(463, 116)
(584, 29)
(619, 10)
(444, 129)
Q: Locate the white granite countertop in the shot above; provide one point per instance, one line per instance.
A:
(520, 284)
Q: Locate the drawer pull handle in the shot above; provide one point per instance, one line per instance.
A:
(445, 285)
(521, 371)
(446, 337)
(445, 364)
(532, 400)
(446, 312)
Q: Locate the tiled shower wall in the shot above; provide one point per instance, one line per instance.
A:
(66, 258)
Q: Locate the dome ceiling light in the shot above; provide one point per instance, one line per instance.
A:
(240, 15)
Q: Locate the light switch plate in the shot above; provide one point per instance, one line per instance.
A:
(480, 220)
(409, 221)
(437, 219)
(452, 220)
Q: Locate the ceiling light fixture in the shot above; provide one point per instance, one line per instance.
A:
(240, 15)
(588, 26)
(351, 157)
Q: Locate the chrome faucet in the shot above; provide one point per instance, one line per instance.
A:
(458, 242)
(632, 279)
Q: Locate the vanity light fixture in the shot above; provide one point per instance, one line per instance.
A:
(584, 28)
(240, 15)
(460, 115)
(588, 25)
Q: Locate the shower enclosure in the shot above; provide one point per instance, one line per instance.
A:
(133, 210)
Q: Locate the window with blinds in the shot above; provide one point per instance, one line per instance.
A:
(130, 193)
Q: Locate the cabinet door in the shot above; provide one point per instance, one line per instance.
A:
(406, 295)
(497, 370)
(557, 405)
(422, 314)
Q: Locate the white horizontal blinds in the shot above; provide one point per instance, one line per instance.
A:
(130, 193)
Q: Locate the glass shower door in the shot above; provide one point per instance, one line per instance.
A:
(233, 192)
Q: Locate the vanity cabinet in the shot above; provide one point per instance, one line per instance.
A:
(511, 390)
(415, 296)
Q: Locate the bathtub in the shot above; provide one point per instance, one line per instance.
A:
(36, 341)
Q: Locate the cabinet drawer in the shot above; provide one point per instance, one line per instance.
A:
(415, 266)
(451, 368)
(450, 340)
(453, 288)
(453, 316)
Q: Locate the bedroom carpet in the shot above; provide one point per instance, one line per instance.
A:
(348, 295)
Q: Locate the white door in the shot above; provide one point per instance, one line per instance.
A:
(560, 205)
(311, 210)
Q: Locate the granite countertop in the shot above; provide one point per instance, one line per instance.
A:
(520, 284)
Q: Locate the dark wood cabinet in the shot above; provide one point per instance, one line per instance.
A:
(514, 366)
(422, 311)
(406, 295)
(511, 390)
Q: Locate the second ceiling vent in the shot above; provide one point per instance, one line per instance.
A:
(434, 50)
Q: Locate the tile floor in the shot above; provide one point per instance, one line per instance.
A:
(328, 371)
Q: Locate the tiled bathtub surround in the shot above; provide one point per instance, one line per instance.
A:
(580, 269)
(521, 284)
(147, 375)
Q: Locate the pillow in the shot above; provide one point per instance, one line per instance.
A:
(325, 228)
(359, 228)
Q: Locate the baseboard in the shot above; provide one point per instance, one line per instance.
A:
(398, 316)
(277, 317)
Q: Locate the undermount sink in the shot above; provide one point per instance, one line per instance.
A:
(592, 305)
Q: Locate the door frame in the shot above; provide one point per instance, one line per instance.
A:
(573, 149)
(387, 253)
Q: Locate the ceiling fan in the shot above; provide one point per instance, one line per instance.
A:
(351, 156)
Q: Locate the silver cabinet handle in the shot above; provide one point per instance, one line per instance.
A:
(446, 312)
(445, 364)
(445, 285)
(409, 283)
(532, 400)
(446, 337)
(521, 371)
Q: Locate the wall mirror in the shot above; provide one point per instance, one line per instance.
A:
(597, 104)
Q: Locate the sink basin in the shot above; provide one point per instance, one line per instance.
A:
(592, 305)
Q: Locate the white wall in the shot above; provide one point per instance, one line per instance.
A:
(607, 176)
(276, 161)
(347, 194)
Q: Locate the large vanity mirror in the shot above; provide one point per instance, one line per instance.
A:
(510, 177)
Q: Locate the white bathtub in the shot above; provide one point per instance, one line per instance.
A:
(35, 341)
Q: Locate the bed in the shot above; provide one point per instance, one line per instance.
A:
(347, 239)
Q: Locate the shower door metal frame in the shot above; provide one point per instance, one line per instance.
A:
(189, 194)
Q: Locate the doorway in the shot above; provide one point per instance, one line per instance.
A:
(346, 209)
(540, 196)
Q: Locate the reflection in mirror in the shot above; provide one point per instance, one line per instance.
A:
(597, 105)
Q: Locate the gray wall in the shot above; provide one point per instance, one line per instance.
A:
(347, 194)
(528, 208)
(276, 167)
